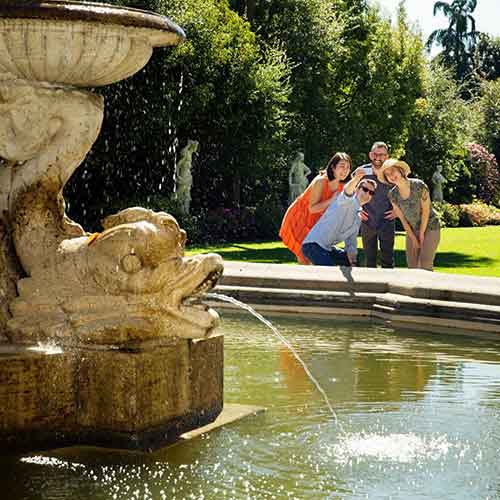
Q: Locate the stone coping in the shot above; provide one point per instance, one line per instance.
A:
(455, 304)
(232, 412)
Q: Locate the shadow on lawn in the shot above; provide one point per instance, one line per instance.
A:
(268, 255)
(283, 255)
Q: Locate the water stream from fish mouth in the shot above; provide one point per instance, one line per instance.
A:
(251, 310)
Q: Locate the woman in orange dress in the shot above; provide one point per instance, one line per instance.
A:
(305, 211)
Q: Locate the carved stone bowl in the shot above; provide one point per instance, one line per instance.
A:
(82, 44)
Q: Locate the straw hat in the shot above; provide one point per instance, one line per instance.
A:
(393, 163)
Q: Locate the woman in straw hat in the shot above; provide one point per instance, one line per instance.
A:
(412, 205)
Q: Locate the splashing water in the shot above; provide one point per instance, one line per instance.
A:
(46, 348)
(266, 322)
(402, 448)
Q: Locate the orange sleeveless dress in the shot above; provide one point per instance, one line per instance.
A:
(298, 221)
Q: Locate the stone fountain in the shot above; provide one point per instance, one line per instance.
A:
(103, 340)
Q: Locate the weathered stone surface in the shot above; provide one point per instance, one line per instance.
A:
(436, 302)
(207, 373)
(133, 391)
(184, 177)
(130, 286)
(37, 391)
(45, 134)
(46, 129)
(232, 412)
(10, 273)
(141, 399)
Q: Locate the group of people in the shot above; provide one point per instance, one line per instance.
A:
(334, 209)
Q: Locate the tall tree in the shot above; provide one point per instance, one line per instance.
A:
(218, 88)
(459, 39)
(442, 124)
(486, 57)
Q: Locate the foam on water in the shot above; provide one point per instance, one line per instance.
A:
(402, 448)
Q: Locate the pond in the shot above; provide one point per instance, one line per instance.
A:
(417, 417)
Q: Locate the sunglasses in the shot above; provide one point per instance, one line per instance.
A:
(366, 190)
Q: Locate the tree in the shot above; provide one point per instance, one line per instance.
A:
(441, 127)
(490, 112)
(245, 8)
(325, 44)
(486, 58)
(384, 102)
(459, 39)
(218, 88)
(353, 76)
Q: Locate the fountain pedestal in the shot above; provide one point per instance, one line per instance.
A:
(134, 365)
(138, 400)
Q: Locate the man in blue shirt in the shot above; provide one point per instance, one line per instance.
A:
(340, 222)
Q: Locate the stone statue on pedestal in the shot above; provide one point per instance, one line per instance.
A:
(184, 178)
(297, 177)
(437, 184)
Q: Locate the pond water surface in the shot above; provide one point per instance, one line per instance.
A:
(418, 417)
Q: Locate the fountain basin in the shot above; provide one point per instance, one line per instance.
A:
(82, 44)
(417, 418)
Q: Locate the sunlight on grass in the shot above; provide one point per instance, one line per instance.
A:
(474, 251)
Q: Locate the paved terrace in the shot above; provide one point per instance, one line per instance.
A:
(423, 300)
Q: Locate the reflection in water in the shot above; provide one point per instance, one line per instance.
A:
(391, 377)
(295, 377)
(421, 416)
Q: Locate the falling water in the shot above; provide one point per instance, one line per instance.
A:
(261, 318)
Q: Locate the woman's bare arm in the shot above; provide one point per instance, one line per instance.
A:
(425, 203)
(406, 226)
(315, 203)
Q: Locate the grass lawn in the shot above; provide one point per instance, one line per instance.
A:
(462, 250)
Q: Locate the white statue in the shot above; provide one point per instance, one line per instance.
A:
(437, 183)
(183, 176)
(297, 177)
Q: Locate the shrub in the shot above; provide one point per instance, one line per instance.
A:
(448, 214)
(230, 224)
(490, 112)
(268, 217)
(218, 87)
(439, 130)
(479, 214)
(484, 167)
(204, 226)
